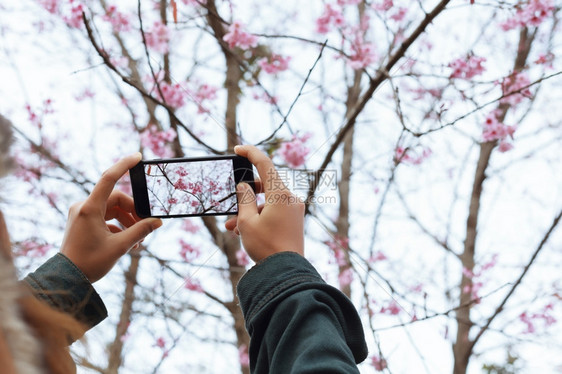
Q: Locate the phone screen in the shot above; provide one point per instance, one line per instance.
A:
(188, 187)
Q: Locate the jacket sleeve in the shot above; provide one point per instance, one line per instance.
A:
(62, 285)
(297, 323)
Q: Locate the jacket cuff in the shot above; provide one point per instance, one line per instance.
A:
(270, 278)
(61, 284)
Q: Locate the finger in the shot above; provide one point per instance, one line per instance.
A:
(231, 223)
(114, 229)
(247, 207)
(134, 234)
(270, 180)
(109, 178)
(124, 218)
(123, 201)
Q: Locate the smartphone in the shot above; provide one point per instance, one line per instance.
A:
(187, 187)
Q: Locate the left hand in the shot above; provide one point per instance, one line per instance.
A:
(92, 244)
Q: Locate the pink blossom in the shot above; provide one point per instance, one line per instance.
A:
(50, 6)
(160, 343)
(193, 285)
(331, 16)
(172, 94)
(362, 54)
(377, 256)
(158, 141)
(392, 308)
(514, 88)
(410, 156)
(118, 20)
(238, 37)
(274, 63)
(188, 226)
(467, 68)
(204, 92)
(545, 59)
(75, 18)
(383, 6)
(243, 356)
(378, 363)
(496, 130)
(294, 152)
(529, 13)
(345, 277)
(399, 14)
(86, 94)
(348, 2)
(242, 258)
(31, 248)
(473, 287)
(188, 252)
(180, 185)
(158, 37)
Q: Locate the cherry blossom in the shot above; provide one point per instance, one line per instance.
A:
(467, 68)
(529, 13)
(545, 59)
(75, 18)
(378, 363)
(188, 252)
(362, 53)
(193, 285)
(348, 2)
(392, 308)
(50, 6)
(188, 226)
(160, 343)
(399, 15)
(242, 258)
(31, 248)
(274, 63)
(514, 88)
(345, 277)
(172, 94)
(409, 156)
(496, 130)
(330, 17)
(238, 37)
(294, 152)
(205, 92)
(118, 20)
(158, 141)
(158, 37)
(243, 356)
(377, 256)
(383, 6)
(544, 315)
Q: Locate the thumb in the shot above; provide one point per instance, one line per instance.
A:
(247, 206)
(137, 232)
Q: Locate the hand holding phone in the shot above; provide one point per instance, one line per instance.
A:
(189, 187)
(276, 226)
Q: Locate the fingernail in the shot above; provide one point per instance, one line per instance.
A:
(237, 147)
(242, 187)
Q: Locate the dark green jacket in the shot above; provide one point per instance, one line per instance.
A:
(63, 286)
(297, 323)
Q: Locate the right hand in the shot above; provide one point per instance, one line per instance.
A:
(278, 225)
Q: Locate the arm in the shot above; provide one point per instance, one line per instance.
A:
(59, 283)
(91, 247)
(298, 323)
